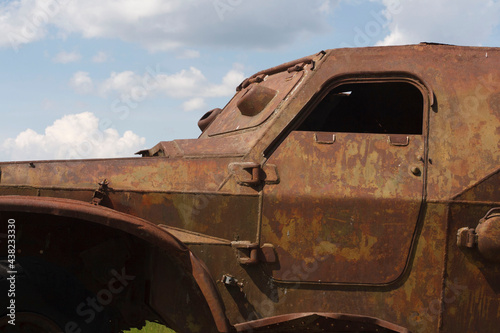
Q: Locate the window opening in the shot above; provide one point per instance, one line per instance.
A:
(370, 107)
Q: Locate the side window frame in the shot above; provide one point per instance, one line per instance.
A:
(395, 78)
(361, 77)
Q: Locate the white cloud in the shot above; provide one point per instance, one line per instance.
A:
(66, 57)
(100, 57)
(192, 82)
(167, 24)
(326, 6)
(73, 136)
(187, 83)
(193, 104)
(257, 24)
(447, 21)
(81, 82)
(25, 21)
(189, 54)
(228, 87)
(120, 82)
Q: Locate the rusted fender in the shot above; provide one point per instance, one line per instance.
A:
(319, 322)
(138, 227)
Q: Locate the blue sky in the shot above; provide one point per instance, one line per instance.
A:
(105, 78)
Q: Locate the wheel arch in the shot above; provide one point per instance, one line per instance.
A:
(207, 299)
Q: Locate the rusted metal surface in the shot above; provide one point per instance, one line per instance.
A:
(262, 298)
(255, 100)
(208, 118)
(189, 237)
(353, 216)
(473, 303)
(488, 235)
(343, 222)
(144, 230)
(233, 120)
(258, 77)
(167, 195)
(320, 322)
(235, 146)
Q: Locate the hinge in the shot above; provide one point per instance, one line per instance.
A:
(253, 174)
(257, 79)
(247, 252)
(247, 173)
(254, 79)
(250, 253)
(296, 68)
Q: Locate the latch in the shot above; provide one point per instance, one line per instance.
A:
(466, 237)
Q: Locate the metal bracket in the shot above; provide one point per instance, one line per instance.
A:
(231, 281)
(466, 237)
(100, 193)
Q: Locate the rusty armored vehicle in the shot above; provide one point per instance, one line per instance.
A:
(354, 190)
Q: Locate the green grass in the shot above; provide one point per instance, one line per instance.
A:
(152, 328)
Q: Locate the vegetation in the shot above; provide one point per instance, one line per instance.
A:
(152, 328)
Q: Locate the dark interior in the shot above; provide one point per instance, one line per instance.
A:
(381, 107)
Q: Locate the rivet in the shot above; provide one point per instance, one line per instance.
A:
(415, 170)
